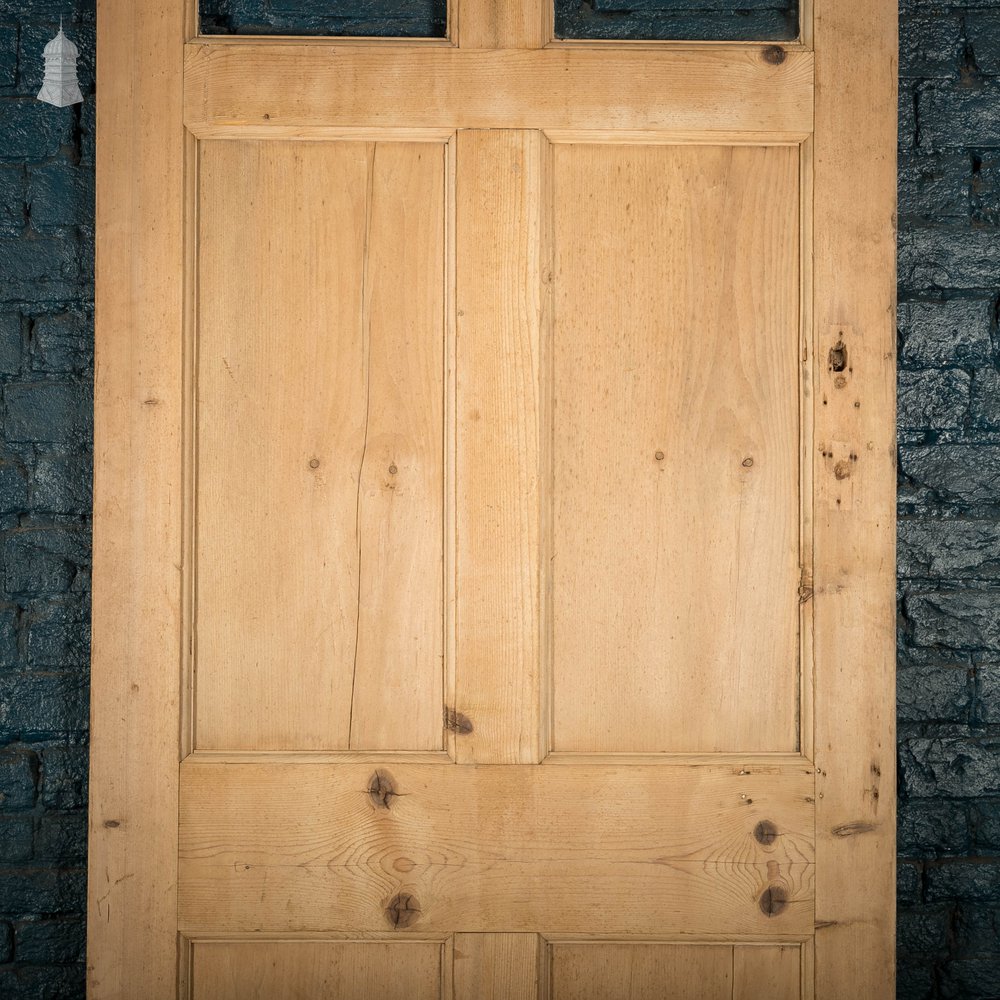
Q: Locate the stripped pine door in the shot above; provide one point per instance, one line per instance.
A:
(494, 539)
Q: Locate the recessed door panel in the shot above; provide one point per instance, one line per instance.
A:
(319, 423)
(675, 443)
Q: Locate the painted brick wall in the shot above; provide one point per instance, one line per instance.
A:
(46, 352)
(949, 501)
(949, 569)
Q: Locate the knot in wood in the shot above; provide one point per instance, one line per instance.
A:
(765, 832)
(402, 910)
(774, 54)
(838, 357)
(773, 900)
(455, 722)
(382, 789)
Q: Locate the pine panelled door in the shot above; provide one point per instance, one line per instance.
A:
(494, 513)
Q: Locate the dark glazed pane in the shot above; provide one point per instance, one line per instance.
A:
(691, 20)
(410, 18)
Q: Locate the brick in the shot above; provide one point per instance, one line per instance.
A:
(923, 931)
(948, 257)
(945, 333)
(934, 693)
(8, 56)
(63, 343)
(978, 881)
(908, 884)
(13, 200)
(984, 190)
(412, 18)
(931, 829)
(62, 839)
(38, 268)
(42, 705)
(983, 30)
(32, 130)
(932, 400)
(936, 186)
(10, 343)
(13, 488)
(52, 412)
(60, 195)
(6, 942)
(930, 44)
(955, 619)
(41, 890)
(50, 941)
(914, 980)
(953, 549)
(961, 473)
(987, 709)
(984, 825)
(977, 930)
(16, 838)
(63, 778)
(19, 773)
(955, 767)
(971, 979)
(61, 484)
(46, 560)
(57, 632)
(43, 982)
(952, 114)
(10, 653)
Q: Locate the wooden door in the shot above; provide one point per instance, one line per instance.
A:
(494, 513)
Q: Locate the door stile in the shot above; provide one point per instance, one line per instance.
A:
(854, 582)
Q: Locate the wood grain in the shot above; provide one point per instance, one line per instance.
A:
(583, 850)
(855, 287)
(320, 463)
(307, 970)
(675, 551)
(619, 971)
(499, 244)
(323, 83)
(771, 971)
(138, 502)
(498, 966)
(504, 24)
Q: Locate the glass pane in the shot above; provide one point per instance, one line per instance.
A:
(410, 18)
(694, 20)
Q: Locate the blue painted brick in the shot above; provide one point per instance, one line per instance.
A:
(914, 979)
(6, 942)
(929, 829)
(934, 692)
(13, 199)
(983, 30)
(977, 881)
(52, 412)
(909, 884)
(16, 838)
(60, 484)
(948, 257)
(951, 549)
(952, 767)
(43, 982)
(25, 890)
(984, 821)
(8, 56)
(58, 941)
(955, 619)
(961, 473)
(32, 130)
(63, 342)
(923, 931)
(36, 268)
(43, 560)
(13, 487)
(952, 114)
(42, 705)
(9, 652)
(971, 979)
(978, 927)
(930, 44)
(932, 400)
(956, 331)
(63, 783)
(61, 839)
(57, 632)
(19, 775)
(60, 194)
(10, 343)
(935, 186)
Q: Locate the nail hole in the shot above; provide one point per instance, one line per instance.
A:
(747, 462)
(658, 456)
(313, 463)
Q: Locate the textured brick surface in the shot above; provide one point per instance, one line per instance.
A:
(46, 361)
(949, 490)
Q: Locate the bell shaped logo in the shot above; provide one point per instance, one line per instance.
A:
(60, 86)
